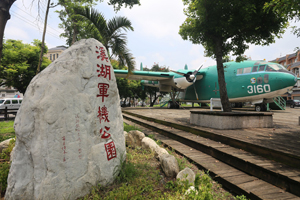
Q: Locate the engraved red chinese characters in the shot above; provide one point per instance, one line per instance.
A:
(103, 87)
(110, 150)
(105, 135)
(64, 147)
(101, 53)
(104, 71)
(103, 114)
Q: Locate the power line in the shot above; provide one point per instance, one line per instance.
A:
(31, 23)
(35, 18)
(34, 25)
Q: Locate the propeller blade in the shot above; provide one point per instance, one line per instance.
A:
(180, 73)
(196, 71)
(191, 77)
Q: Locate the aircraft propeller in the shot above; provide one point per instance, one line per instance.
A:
(190, 77)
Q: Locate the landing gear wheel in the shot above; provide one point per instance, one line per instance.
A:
(257, 108)
(260, 107)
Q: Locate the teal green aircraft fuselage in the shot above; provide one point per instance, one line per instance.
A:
(247, 81)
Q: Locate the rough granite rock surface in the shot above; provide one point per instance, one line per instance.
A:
(69, 128)
(135, 138)
(169, 165)
(186, 174)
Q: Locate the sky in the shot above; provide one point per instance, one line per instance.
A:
(155, 38)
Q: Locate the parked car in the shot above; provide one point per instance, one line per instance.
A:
(293, 103)
(10, 103)
(125, 104)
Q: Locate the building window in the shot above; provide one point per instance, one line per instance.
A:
(3, 95)
(51, 57)
(56, 55)
(297, 71)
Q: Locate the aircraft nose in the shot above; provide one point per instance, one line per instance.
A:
(289, 79)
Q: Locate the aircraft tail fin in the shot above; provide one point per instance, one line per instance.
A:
(141, 67)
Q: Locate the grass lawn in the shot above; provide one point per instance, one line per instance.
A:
(6, 130)
(141, 177)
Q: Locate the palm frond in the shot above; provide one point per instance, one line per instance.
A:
(118, 23)
(110, 34)
(97, 21)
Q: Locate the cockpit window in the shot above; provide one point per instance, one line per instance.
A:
(240, 71)
(277, 67)
(261, 68)
(269, 69)
(247, 70)
(255, 69)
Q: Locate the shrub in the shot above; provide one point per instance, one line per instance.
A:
(4, 170)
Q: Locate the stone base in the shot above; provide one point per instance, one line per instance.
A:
(231, 120)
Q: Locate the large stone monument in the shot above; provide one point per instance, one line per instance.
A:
(69, 128)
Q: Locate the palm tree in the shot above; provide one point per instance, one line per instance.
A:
(109, 34)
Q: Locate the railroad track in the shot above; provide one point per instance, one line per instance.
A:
(238, 170)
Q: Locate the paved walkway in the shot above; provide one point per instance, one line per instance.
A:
(285, 136)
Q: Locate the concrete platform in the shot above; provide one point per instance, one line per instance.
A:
(232, 120)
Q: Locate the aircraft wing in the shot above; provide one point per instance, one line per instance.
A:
(144, 75)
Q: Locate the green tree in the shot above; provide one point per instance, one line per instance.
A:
(70, 22)
(110, 35)
(19, 63)
(75, 28)
(229, 26)
(288, 8)
(153, 92)
(128, 88)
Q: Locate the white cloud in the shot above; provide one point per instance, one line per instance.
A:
(156, 18)
(281, 47)
(157, 57)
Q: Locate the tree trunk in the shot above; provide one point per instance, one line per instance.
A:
(4, 17)
(75, 33)
(151, 103)
(43, 40)
(173, 95)
(221, 77)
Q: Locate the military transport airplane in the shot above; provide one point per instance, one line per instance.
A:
(257, 82)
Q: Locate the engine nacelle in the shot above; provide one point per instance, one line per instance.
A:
(182, 83)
